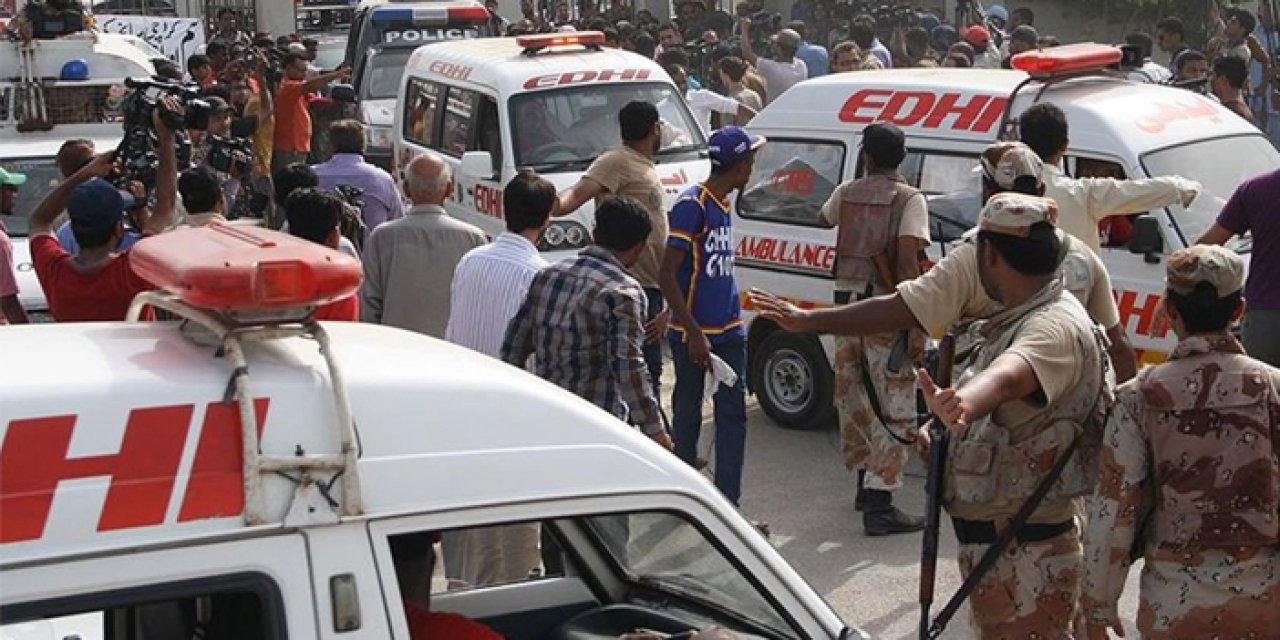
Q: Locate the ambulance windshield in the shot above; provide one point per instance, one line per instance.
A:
(565, 129)
(16, 206)
(1220, 165)
(382, 77)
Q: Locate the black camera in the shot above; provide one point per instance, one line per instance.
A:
(270, 60)
(231, 155)
(139, 104)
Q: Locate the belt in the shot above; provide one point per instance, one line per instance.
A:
(985, 531)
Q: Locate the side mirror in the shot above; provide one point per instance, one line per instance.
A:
(343, 93)
(1147, 239)
(477, 164)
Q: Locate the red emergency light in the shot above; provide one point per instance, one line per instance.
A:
(1086, 56)
(230, 268)
(537, 42)
(477, 14)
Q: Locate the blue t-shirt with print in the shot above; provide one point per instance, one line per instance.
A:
(701, 225)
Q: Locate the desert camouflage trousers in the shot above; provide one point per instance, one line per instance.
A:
(1211, 593)
(865, 441)
(1030, 592)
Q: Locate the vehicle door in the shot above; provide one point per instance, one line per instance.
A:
(606, 565)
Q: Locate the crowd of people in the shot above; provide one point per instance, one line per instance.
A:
(658, 282)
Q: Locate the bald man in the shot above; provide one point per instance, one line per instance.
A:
(409, 263)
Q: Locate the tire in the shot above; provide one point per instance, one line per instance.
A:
(793, 381)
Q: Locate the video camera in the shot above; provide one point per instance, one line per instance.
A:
(231, 155)
(270, 59)
(137, 149)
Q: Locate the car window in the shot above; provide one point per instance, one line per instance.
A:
(791, 180)
(952, 184)
(383, 74)
(666, 552)
(41, 177)
(457, 121)
(421, 105)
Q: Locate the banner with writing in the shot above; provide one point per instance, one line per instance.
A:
(177, 38)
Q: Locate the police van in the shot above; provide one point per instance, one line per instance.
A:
(547, 102)
(245, 472)
(37, 115)
(1118, 129)
(383, 34)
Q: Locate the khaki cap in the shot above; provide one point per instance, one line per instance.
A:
(1013, 214)
(1218, 266)
(1005, 162)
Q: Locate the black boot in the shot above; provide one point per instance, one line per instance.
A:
(881, 518)
(860, 501)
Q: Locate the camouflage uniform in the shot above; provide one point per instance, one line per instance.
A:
(995, 464)
(870, 216)
(1197, 435)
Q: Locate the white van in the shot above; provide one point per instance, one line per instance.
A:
(546, 102)
(1118, 129)
(218, 479)
(88, 109)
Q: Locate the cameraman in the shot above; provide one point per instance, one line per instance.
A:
(231, 158)
(785, 70)
(98, 284)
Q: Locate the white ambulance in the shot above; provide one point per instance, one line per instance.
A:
(1118, 129)
(545, 102)
(242, 473)
(85, 108)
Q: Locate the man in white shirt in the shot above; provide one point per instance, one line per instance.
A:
(785, 70)
(1084, 202)
(489, 286)
(1150, 71)
(704, 102)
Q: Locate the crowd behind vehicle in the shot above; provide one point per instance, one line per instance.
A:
(253, 133)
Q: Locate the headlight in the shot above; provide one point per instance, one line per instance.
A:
(564, 235)
(377, 137)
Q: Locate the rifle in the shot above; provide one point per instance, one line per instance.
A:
(939, 438)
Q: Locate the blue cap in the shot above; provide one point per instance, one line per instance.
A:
(76, 69)
(998, 12)
(729, 145)
(97, 204)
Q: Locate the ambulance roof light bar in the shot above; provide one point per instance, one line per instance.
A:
(215, 276)
(532, 44)
(1069, 59)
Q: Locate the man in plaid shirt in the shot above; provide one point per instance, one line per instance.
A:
(584, 321)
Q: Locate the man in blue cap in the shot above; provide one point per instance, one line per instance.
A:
(11, 311)
(9, 183)
(697, 281)
(97, 284)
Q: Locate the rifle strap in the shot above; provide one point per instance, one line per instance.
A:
(993, 552)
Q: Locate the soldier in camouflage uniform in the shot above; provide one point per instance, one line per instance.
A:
(1035, 381)
(1196, 433)
(882, 223)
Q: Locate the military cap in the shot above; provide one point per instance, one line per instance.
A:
(1005, 162)
(1220, 267)
(1013, 214)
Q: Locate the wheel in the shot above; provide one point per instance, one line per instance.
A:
(793, 381)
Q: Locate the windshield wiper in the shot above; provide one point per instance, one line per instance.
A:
(554, 167)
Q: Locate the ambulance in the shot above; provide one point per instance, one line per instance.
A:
(244, 472)
(1118, 129)
(40, 109)
(547, 102)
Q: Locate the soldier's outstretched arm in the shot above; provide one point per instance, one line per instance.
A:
(1008, 378)
(882, 314)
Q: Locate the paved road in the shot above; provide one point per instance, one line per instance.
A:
(795, 481)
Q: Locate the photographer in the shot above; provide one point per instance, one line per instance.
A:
(98, 284)
(231, 157)
(47, 20)
(782, 72)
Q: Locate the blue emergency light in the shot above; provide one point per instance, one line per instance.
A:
(428, 16)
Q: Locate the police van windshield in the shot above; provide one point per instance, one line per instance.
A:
(382, 76)
(1220, 165)
(15, 208)
(565, 129)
